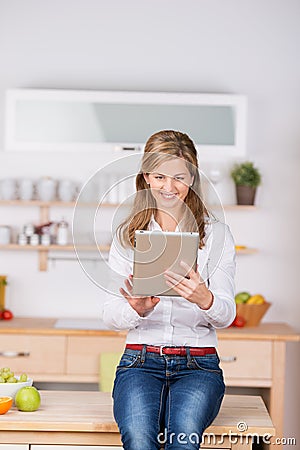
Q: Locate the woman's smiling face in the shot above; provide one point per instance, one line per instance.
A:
(170, 183)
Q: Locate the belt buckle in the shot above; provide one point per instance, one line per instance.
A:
(161, 347)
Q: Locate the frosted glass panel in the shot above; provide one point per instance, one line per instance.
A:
(92, 122)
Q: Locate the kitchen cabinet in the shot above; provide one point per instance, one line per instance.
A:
(31, 353)
(79, 120)
(71, 355)
(14, 447)
(73, 447)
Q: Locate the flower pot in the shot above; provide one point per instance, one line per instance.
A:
(245, 195)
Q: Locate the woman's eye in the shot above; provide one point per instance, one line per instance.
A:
(179, 178)
(158, 177)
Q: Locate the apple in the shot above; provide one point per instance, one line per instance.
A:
(242, 297)
(6, 314)
(238, 322)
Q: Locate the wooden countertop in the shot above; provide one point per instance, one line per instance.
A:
(86, 411)
(44, 326)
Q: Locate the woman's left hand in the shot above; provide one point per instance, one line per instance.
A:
(192, 289)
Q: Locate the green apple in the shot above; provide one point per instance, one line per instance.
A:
(28, 399)
(242, 297)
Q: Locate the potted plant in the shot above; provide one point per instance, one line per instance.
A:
(246, 178)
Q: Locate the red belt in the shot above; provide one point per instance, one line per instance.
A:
(180, 351)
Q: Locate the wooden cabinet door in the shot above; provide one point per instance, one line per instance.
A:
(14, 447)
(246, 363)
(84, 352)
(33, 353)
(73, 447)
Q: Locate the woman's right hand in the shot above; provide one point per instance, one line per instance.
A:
(142, 305)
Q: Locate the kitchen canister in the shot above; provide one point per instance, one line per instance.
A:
(46, 189)
(25, 188)
(62, 233)
(66, 190)
(34, 239)
(8, 189)
(5, 234)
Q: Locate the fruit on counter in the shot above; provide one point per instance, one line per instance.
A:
(242, 297)
(7, 376)
(5, 404)
(257, 299)
(23, 377)
(6, 314)
(239, 322)
(245, 297)
(28, 399)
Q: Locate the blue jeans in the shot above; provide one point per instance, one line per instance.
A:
(166, 400)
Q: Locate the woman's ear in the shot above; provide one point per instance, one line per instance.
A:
(146, 177)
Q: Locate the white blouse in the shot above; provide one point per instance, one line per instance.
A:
(175, 320)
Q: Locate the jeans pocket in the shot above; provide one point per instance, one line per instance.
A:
(209, 363)
(128, 361)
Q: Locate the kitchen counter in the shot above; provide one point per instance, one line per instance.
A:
(85, 418)
(45, 326)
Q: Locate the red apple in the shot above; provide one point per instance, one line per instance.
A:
(6, 314)
(239, 322)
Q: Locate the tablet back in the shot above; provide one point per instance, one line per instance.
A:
(156, 251)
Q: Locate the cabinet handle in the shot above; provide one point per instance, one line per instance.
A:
(228, 358)
(13, 354)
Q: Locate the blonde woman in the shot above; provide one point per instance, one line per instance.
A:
(169, 386)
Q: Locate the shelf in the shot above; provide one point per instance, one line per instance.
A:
(49, 248)
(234, 207)
(44, 208)
(246, 251)
(44, 250)
(54, 203)
(59, 203)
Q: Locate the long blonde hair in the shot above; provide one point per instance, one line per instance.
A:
(162, 146)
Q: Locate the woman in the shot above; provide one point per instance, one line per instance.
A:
(168, 386)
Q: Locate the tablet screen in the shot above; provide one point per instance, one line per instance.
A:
(157, 251)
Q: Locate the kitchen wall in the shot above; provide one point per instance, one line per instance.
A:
(240, 47)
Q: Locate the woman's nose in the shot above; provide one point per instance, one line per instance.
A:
(168, 183)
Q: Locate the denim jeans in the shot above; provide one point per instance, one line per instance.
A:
(165, 399)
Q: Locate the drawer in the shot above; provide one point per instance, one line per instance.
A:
(84, 351)
(246, 359)
(32, 354)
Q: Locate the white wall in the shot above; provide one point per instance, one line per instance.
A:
(237, 46)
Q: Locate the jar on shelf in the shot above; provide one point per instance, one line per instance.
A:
(22, 239)
(45, 239)
(5, 234)
(34, 239)
(62, 233)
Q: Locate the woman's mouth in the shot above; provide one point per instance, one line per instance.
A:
(168, 195)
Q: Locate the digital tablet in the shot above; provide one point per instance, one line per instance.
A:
(157, 251)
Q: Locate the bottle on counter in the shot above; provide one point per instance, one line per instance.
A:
(62, 232)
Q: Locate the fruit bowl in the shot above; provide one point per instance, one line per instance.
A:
(252, 313)
(10, 389)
